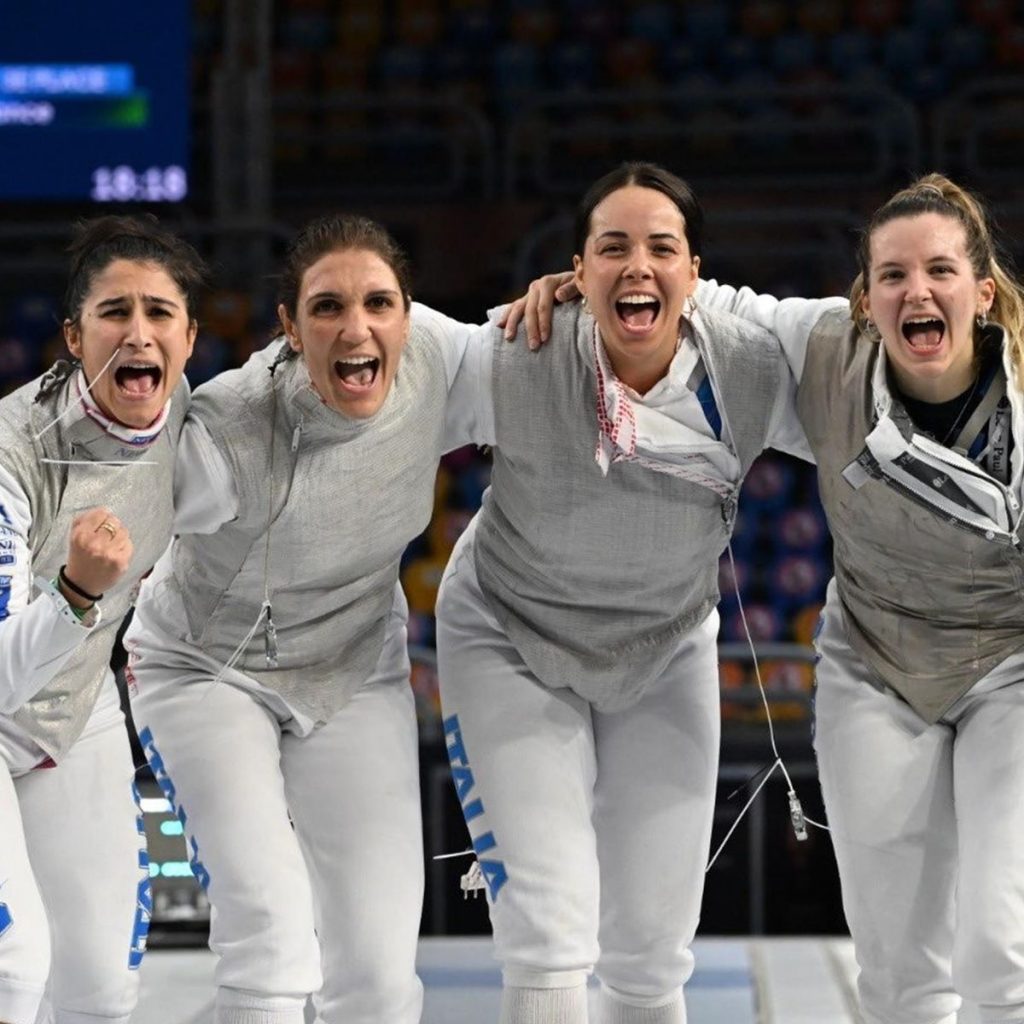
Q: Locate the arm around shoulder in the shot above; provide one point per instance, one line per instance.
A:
(205, 495)
(791, 320)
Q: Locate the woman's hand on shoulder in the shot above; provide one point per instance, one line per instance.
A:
(536, 307)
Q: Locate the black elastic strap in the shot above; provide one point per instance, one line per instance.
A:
(62, 576)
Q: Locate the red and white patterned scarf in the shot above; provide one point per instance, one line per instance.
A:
(617, 431)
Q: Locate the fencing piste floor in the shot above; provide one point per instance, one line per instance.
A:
(737, 981)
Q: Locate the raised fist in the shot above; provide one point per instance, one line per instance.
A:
(99, 551)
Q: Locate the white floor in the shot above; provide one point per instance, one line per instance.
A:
(737, 981)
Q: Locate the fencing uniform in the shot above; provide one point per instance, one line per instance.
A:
(289, 752)
(920, 698)
(578, 660)
(74, 897)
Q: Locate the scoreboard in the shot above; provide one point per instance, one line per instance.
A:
(94, 101)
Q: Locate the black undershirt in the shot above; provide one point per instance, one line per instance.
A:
(937, 419)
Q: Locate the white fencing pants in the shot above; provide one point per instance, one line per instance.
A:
(344, 887)
(592, 829)
(74, 881)
(927, 824)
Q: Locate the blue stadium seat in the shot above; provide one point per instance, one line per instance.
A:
(654, 21)
(739, 56)
(472, 27)
(707, 24)
(400, 65)
(851, 51)
(573, 65)
(965, 48)
(698, 89)
(457, 73)
(793, 52)
(305, 30)
(756, 88)
(927, 83)
(934, 15)
(515, 71)
(904, 51)
(34, 316)
(680, 56)
(598, 24)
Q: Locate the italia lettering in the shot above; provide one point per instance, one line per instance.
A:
(143, 895)
(472, 807)
(156, 764)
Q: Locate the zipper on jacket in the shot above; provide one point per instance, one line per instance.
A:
(951, 517)
(1010, 503)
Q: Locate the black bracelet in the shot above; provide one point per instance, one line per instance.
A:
(62, 576)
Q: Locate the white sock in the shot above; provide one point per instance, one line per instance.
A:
(544, 1005)
(615, 1011)
(235, 1006)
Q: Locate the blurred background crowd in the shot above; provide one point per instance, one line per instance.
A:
(470, 127)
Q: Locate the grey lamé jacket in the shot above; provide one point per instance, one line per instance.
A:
(139, 493)
(596, 578)
(326, 507)
(928, 559)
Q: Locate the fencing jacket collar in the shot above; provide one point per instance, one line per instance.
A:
(306, 411)
(137, 437)
(672, 428)
(936, 476)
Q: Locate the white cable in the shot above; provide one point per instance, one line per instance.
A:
(99, 462)
(237, 652)
(795, 809)
(88, 388)
(739, 817)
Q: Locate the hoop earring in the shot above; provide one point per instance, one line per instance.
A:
(871, 331)
(981, 320)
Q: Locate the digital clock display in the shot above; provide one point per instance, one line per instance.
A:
(123, 184)
(94, 101)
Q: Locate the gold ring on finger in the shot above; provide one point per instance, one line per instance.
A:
(109, 527)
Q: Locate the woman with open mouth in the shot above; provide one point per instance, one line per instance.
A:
(576, 621)
(910, 393)
(911, 397)
(85, 510)
(267, 660)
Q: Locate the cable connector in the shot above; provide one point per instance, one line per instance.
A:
(270, 639)
(472, 881)
(796, 815)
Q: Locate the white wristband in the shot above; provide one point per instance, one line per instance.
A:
(87, 621)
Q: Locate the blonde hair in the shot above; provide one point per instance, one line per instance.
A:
(935, 193)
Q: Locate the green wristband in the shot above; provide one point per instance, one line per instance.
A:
(79, 613)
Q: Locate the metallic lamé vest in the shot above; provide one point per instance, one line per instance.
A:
(344, 498)
(596, 578)
(140, 495)
(930, 606)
